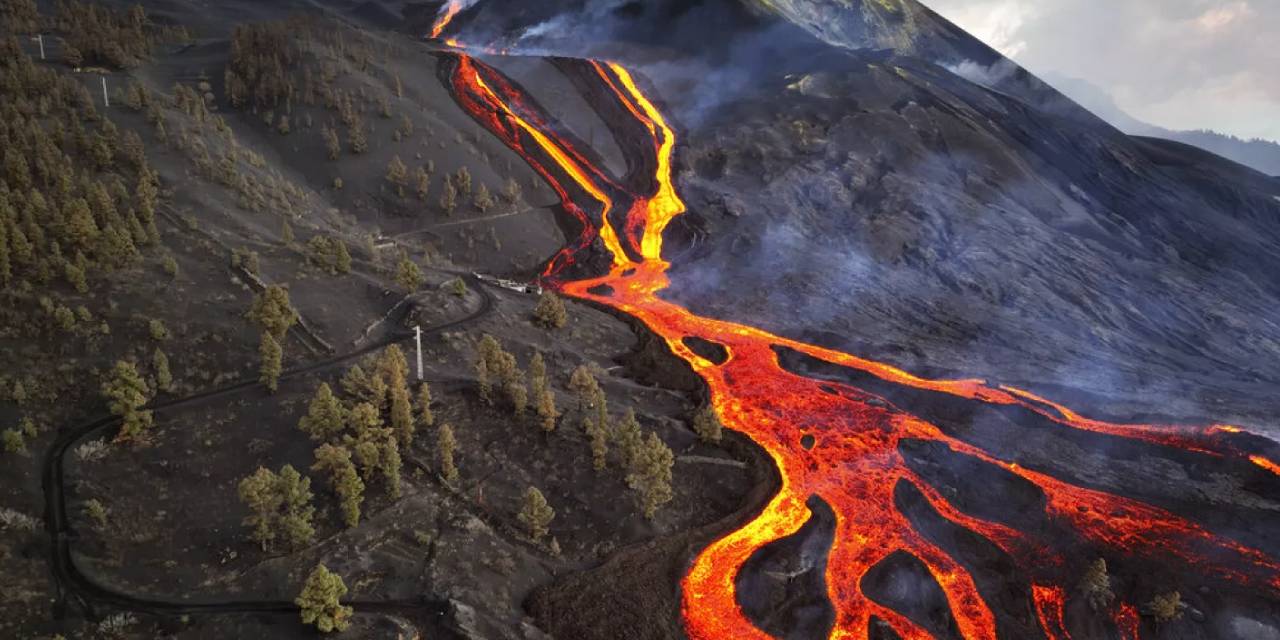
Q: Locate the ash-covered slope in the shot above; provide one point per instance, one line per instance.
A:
(847, 184)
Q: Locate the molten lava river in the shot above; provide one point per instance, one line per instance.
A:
(829, 440)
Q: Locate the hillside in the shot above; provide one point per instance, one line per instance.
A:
(833, 376)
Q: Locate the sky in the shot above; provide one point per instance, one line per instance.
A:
(1179, 64)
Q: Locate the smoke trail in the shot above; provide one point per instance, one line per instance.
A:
(447, 12)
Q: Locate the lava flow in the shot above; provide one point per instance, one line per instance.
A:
(834, 441)
(447, 13)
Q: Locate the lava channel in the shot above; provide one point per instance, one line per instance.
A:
(855, 462)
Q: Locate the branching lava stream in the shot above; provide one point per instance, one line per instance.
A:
(854, 464)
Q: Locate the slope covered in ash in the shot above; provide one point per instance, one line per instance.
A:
(847, 184)
(900, 205)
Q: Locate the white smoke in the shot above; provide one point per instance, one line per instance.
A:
(456, 6)
(589, 18)
(987, 76)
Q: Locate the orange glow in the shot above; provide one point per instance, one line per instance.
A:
(1050, 603)
(1127, 622)
(1265, 464)
(446, 16)
(855, 463)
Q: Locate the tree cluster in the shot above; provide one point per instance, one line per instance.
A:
(260, 70)
(20, 16)
(361, 440)
(494, 365)
(279, 507)
(77, 198)
(98, 35)
(329, 253)
(646, 459)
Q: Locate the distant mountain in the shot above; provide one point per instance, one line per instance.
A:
(1262, 155)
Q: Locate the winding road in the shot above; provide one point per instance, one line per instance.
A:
(72, 583)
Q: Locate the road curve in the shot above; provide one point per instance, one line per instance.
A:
(71, 583)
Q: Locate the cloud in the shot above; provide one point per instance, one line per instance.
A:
(1181, 64)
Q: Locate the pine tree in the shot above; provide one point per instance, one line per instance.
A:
(401, 410)
(1166, 607)
(13, 441)
(260, 493)
(342, 257)
(629, 438)
(331, 143)
(126, 394)
(707, 425)
(425, 417)
(271, 355)
(535, 514)
(75, 276)
(286, 233)
(511, 191)
(463, 180)
(325, 417)
(368, 456)
(537, 375)
(547, 410)
(598, 438)
(550, 312)
(445, 445)
(390, 464)
(82, 229)
(295, 519)
(482, 380)
(408, 275)
(518, 395)
(393, 363)
(423, 181)
(584, 386)
(273, 312)
(483, 200)
(160, 363)
(364, 420)
(650, 475)
(449, 199)
(355, 382)
(357, 139)
(398, 175)
(1096, 586)
(343, 478)
(320, 601)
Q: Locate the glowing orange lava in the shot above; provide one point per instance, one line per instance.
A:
(854, 464)
(447, 13)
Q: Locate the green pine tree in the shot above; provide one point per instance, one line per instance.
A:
(321, 601)
(271, 355)
(325, 417)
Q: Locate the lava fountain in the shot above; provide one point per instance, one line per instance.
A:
(831, 440)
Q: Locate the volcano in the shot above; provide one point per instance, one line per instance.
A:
(835, 322)
(986, 339)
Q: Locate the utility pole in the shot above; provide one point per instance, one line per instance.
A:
(418, 337)
(40, 39)
(106, 100)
